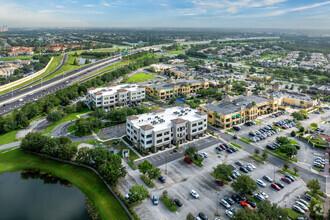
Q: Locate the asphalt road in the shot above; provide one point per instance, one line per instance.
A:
(33, 93)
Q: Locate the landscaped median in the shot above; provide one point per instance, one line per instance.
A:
(168, 202)
(259, 158)
(287, 171)
(278, 156)
(236, 145)
(147, 181)
(83, 178)
(245, 140)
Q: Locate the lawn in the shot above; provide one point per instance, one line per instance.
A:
(69, 117)
(15, 58)
(294, 142)
(229, 130)
(8, 138)
(83, 178)
(293, 214)
(52, 66)
(140, 77)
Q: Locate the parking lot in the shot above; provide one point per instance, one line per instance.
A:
(183, 177)
(113, 131)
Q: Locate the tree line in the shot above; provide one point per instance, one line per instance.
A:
(108, 165)
(21, 118)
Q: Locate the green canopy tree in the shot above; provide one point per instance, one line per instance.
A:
(137, 193)
(244, 184)
(191, 152)
(223, 171)
(314, 185)
(145, 166)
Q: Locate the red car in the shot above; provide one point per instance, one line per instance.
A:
(222, 146)
(284, 127)
(286, 180)
(275, 186)
(219, 182)
(246, 205)
(188, 160)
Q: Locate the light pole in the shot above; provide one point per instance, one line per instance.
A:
(166, 165)
(217, 206)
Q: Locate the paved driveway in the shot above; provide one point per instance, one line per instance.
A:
(113, 131)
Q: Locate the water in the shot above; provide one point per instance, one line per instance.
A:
(82, 60)
(38, 197)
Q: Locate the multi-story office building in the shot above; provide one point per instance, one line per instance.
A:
(174, 89)
(165, 127)
(116, 95)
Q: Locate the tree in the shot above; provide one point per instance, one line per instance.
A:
(75, 62)
(316, 209)
(286, 86)
(314, 185)
(264, 155)
(302, 102)
(137, 193)
(301, 129)
(293, 133)
(288, 149)
(298, 116)
(55, 116)
(292, 87)
(113, 169)
(283, 140)
(84, 156)
(314, 125)
(67, 151)
(296, 170)
(253, 103)
(271, 210)
(145, 166)
(154, 173)
(256, 151)
(286, 166)
(83, 126)
(244, 184)
(191, 152)
(223, 171)
(190, 216)
(246, 214)
(87, 61)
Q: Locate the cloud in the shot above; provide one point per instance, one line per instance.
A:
(47, 11)
(106, 4)
(281, 12)
(89, 5)
(59, 6)
(163, 4)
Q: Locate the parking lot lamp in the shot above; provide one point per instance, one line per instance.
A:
(217, 205)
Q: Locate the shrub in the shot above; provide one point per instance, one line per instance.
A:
(147, 181)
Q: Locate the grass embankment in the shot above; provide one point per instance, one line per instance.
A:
(84, 179)
(16, 58)
(293, 214)
(278, 156)
(52, 66)
(69, 117)
(8, 138)
(140, 77)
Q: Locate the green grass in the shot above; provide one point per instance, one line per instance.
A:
(8, 138)
(277, 151)
(293, 214)
(84, 179)
(236, 145)
(167, 202)
(257, 122)
(231, 131)
(247, 141)
(69, 117)
(16, 58)
(52, 66)
(1, 151)
(147, 181)
(294, 142)
(140, 77)
(257, 159)
(278, 156)
(175, 51)
(260, 157)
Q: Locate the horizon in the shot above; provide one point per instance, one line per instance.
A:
(239, 14)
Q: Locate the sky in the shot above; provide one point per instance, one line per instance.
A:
(286, 14)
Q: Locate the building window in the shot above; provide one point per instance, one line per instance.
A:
(99, 103)
(200, 128)
(204, 120)
(112, 97)
(106, 98)
(142, 141)
(149, 135)
(159, 141)
(193, 131)
(149, 142)
(199, 123)
(99, 99)
(105, 103)
(166, 139)
(166, 133)
(142, 135)
(194, 125)
(159, 135)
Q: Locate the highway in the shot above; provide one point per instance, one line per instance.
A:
(18, 98)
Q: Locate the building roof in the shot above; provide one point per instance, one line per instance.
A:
(238, 104)
(146, 127)
(178, 120)
(179, 83)
(116, 88)
(210, 101)
(132, 117)
(227, 97)
(121, 90)
(166, 119)
(92, 88)
(98, 93)
(158, 110)
(200, 113)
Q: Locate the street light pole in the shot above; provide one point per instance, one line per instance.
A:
(216, 203)
(166, 165)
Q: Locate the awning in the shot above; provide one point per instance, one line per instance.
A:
(237, 115)
(234, 116)
(243, 119)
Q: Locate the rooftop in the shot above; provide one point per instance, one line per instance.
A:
(114, 88)
(179, 83)
(164, 119)
(229, 107)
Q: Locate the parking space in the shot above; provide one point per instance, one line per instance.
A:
(182, 177)
(113, 131)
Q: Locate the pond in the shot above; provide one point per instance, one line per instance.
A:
(35, 195)
(82, 60)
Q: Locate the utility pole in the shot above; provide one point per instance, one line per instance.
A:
(216, 203)
(166, 165)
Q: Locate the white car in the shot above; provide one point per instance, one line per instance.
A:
(194, 194)
(251, 165)
(229, 214)
(261, 183)
(304, 202)
(298, 209)
(203, 154)
(225, 203)
(301, 205)
(263, 194)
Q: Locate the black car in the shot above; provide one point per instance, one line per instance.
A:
(229, 178)
(177, 202)
(270, 147)
(236, 128)
(239, 163)
(236, 198)
(280, 184)
(229, 200)
(203, 216)
(297, 146)
(229, 150)
(162, 179)
(233, 149)
(241, 196)
(243, 169)
(226, 145)
(253, 204)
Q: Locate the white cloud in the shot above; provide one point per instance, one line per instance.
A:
(106, 4)
(59, 6)
(281, 12)
(89, 5)
(163, 4)
(46, 11)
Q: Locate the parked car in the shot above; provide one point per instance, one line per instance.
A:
(229, 213)
(229, 150)
(286, 180)
(301, 205)
(265, 177)
(203, 216)
(253, 204)
(177, 202)
(194, 194)
(259, 197)
(275, 186)
(239, 163)
(263, 194)
(241, 196)
(224, 203)
(246, 205)
(243, 169)
(261, 183)
(304, 202)
(290, 178)
(251, 165)
(229, 200)
(308, 197)
(235, 198)
(298, 209)
(188, 160)
(218, 148)
(279, 184)
(154, 200)
(162, 179)
(219, 182)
